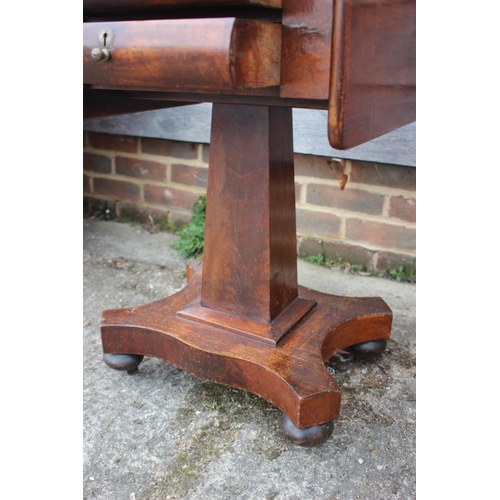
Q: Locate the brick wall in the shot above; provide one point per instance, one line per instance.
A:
(370, 222)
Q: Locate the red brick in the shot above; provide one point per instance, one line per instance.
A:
(120, 189)
(86, 183)
(403, 208)
(128, 210)
(390, 260)
(141, 169)
(169, 196)
(180, 218)
(171, 217)
(318, 166)
(318, 223)
(111, 142)
(96, 163)
(176, 149)
(334, 250)
(191, 176)
(354, 200)
(380, 174)
(381, 234)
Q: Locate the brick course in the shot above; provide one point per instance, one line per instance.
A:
(318, 166)
(353, 200)
(370, 222)
(191, 176)
(122, 190)
(164, 195)
(319, 223)
(123, 143)
(333, 250)
(176, 149)
(404, 208)
(392, 260)
(380, 234)
(96, 163)
(140, 168)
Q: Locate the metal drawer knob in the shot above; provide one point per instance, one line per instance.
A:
(100, 54)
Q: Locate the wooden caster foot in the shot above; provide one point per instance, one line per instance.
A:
(123, 362)
(309, 436)
(368, 349)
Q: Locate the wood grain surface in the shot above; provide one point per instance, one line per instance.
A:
(196, 55)
(243, 320)
(250, 213)
(373, 70)
(291, 376)
(307, 48)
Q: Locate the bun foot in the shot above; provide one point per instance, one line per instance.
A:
(123, 362)
(367, 349)
(309, 436)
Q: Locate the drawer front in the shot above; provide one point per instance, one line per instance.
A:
(195, 55)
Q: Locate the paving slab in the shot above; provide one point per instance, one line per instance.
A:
(164, 434)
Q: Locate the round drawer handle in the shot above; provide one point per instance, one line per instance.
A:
(100, 54)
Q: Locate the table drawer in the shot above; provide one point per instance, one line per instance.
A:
(198, 55)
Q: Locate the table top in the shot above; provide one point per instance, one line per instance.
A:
(354, 59)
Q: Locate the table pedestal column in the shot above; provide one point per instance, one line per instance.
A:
(242, 319)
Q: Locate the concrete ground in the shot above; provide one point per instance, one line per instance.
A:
(164, 434)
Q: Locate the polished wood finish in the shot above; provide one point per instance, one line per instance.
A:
(243, 188)
(256, 54)
(253, 289)
(243, 320)
(222, 326)
(307, 48)
(355, 58)
(291, 376)
(198, 55)
(373, 70)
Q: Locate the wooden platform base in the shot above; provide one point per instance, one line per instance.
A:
(291, 375)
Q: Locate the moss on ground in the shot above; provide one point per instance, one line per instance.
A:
(227, 411)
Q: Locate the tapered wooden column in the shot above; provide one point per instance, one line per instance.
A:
(250, 259)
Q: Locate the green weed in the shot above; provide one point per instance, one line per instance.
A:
(192, 237)
(400, 274)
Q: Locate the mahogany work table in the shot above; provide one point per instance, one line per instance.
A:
(242, 319)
